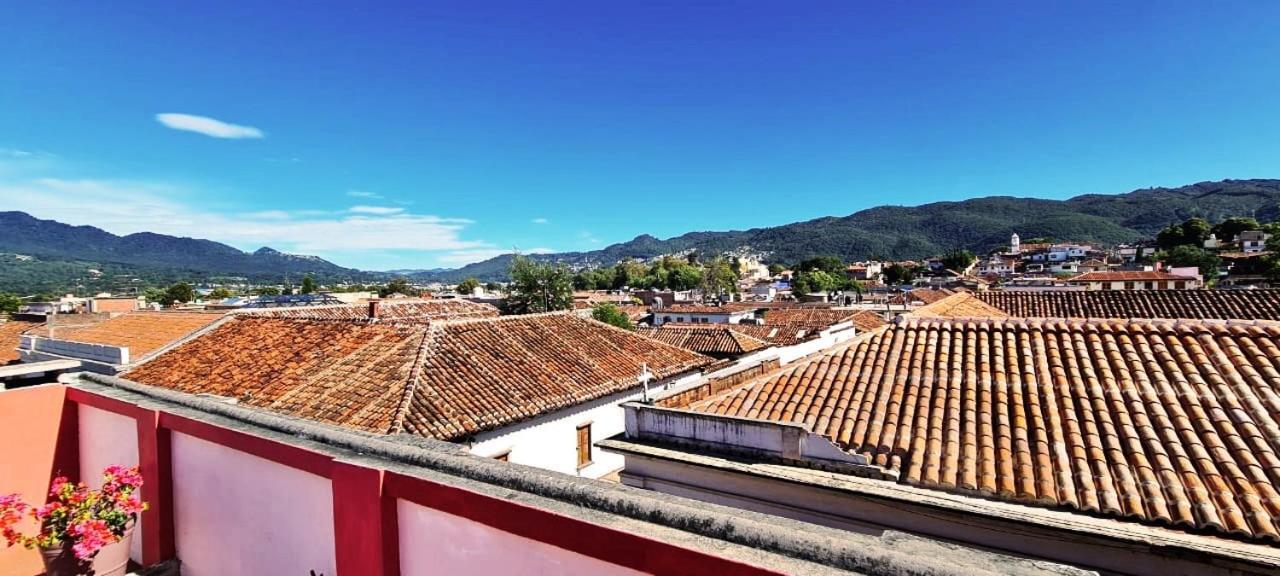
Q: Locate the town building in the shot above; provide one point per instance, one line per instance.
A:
(113, 304)
(719, 341)
(726, 313)
(1133, 280)
(1122, 446)
(534, 389)
(997, 265)
(1251, 241)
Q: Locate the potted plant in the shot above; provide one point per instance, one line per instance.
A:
(82, 531)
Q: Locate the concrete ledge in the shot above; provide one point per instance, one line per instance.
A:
(769, 541)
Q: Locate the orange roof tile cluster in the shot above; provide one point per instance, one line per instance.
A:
(726, 308)
(390, 310)
(705, 338)
(823, 317)
(776, 334)
(1126, 276)
(921, 296)
(446, 379)
(10, 331)
(959, 305)
(1220, 304)
(1169, 422)
(143, 332)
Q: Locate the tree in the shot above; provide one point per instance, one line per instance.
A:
(628, 273)
(9, 303)
(180, 292)
(308, 285)
(220, 293)
(958, 260)
(468, 286)
(776, 269)
(266, 291)
(828, 264)
(1187, 255)
(1193, 231)
(1227, 229)
(815, 281)
(609, 313)
(898, 274)
(718, 279)
(538, 286)
(396, 286)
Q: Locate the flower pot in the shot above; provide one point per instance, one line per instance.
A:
(111, 560)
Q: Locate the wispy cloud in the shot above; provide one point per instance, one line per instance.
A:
(539, 220)
(381, 210)
(364, 194)
(208, 126)
(588, 237)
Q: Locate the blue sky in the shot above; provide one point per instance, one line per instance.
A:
(419, 135)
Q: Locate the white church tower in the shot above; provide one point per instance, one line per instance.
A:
(1015, 245)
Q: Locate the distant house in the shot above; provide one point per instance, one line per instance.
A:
(1092, 265)
(113, 305)
(1133, 280)
(870, 271)
(729, 313)
(1251, 241)
(997, 265)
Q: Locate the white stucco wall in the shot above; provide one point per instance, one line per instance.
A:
(551, 440)
(235, 513)
(108, 438)
(435, 542)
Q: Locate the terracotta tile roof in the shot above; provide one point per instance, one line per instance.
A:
(1174, 423)
(1126, 276)
(9, 332)
(142, 332)
(823, 317)
(1222, 304)
(777, 334)
(921, 296)
(959, 305)
(705, 338)
(390, 310)
(726, 308)
(446, 379)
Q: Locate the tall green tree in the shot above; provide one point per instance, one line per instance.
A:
(9, 303)
(1187, 255)
(828, 264)
(898, 274)
(1226, 230)
(220, 293)
(538, 286)
(1193, 231)
(718, 279)
(178, 293)
(308, 285)
(468, 286)
(609, 313)
(397, 286)
(776, 269)
(958, 260)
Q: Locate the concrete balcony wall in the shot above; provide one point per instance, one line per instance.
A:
(107, 438)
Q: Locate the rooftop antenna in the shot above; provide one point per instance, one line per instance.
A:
(645, 377)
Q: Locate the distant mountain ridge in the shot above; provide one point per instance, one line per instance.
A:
(896, 232)
(913, 232)
(49, 239)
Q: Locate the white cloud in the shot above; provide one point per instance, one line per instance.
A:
(208, 126)
(539, 220)
(364, 194)
(381, 210)
(588, 237)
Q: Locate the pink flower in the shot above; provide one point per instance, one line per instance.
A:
(90, 536)
(58, 484)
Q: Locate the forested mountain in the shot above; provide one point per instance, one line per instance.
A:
(979, 224)
(898, 232)
(62, 255)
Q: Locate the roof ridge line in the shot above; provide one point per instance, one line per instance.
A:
(425, 348)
